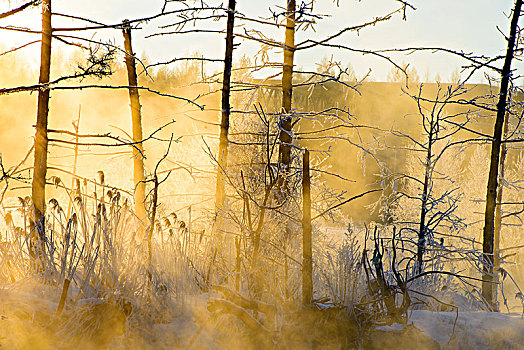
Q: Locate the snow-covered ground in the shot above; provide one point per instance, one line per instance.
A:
(27, 318)
(471, 329)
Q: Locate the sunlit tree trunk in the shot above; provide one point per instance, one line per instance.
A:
(287, 93)
(136, 117)
(220, 196)
(488, 286)
(40, 161)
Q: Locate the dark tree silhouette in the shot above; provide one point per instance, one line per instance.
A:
(226, 108)
(488, 284)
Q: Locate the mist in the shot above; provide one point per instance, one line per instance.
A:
(242, 196)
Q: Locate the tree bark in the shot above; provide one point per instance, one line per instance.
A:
(136, 117)
(307, 253)
(220, 196)
(498, 210)
(41, 141)
(289, 52)
(287, 94)
(489, 217)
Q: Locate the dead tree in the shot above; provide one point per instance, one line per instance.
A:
(475, 63)
(41, 141)
(433, 123)
(307, 254)
(289, 52)
(488, 284)
(295, 17)
(136, 117)
(287, 93)
(258, 196)
(436, 203)
(498, 209)
(226, 108)
(284, 186)
(44, 86)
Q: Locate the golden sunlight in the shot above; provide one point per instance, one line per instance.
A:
(180, 174)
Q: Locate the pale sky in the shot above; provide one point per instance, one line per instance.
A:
(469, 25)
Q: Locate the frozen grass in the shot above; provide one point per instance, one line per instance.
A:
(206, 291)
(102, 252)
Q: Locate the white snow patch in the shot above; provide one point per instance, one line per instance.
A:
(471, 329)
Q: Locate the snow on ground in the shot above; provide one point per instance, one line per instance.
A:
(471, 329)
(28, 309)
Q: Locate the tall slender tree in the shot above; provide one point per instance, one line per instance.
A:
(428, 167)
(41, 140)
(226, 108)
(136, 117)
(307, 251)
(287, 92)
(488, 285)
(498, 209)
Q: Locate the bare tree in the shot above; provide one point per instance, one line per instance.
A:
(491, 195)
(287, 92)
(436, 200)
(226, 108)
(498, 210)
(136, 117)
(41, 141)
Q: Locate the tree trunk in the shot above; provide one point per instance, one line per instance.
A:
(421, 244)
(40, 159)
(307, 254)
(136, 117)
(498, 211)
(220, 196)
(287, 94)
(289, 51)
(489, 217)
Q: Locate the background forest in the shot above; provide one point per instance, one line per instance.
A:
(244, 201)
